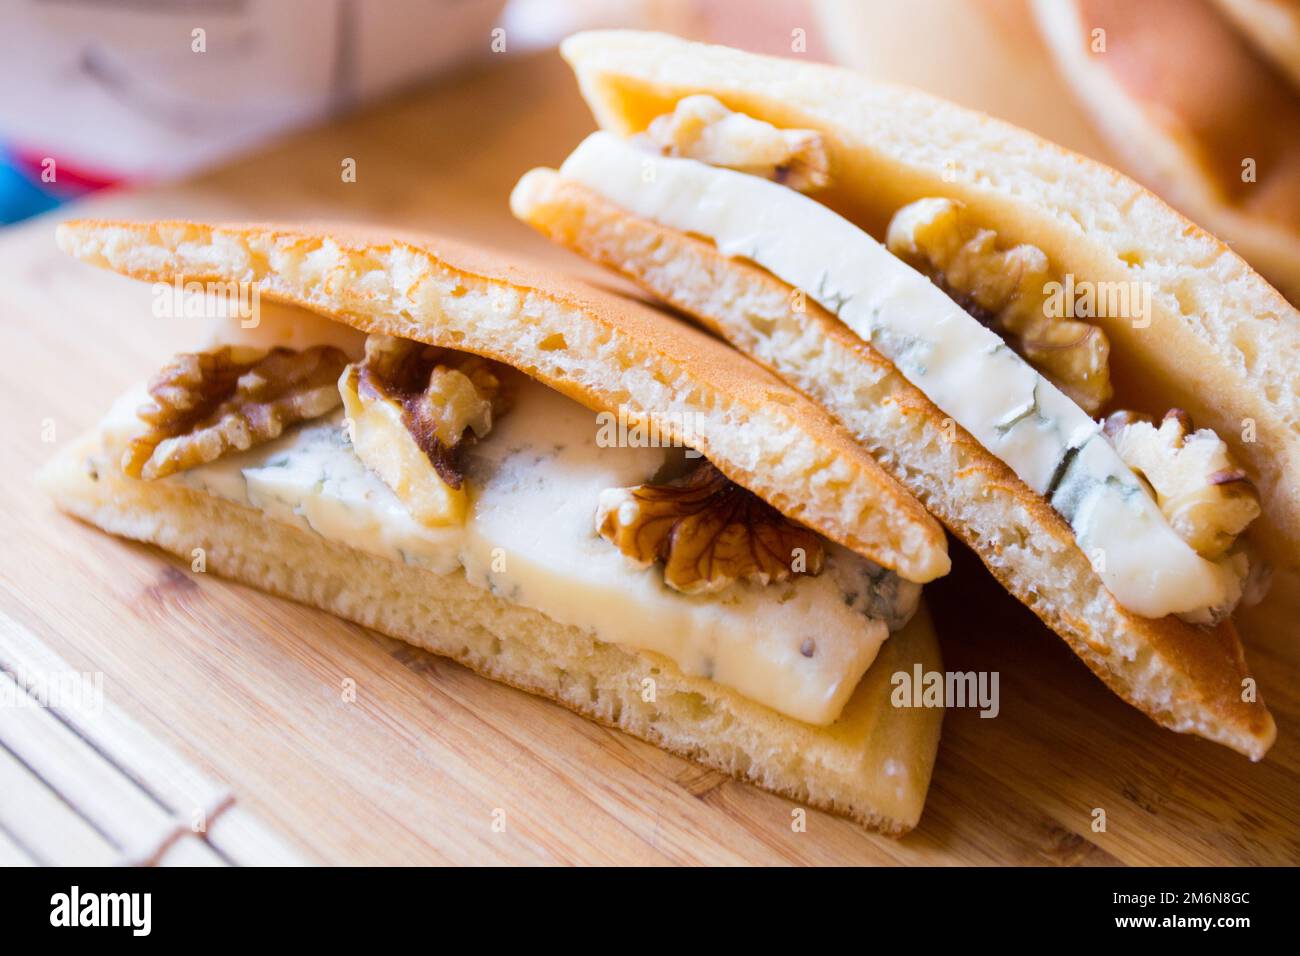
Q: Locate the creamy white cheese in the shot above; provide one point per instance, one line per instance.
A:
(963, 367)
(800, 648)
(273, 324)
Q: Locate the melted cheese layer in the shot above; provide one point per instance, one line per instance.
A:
(799, 648)
(963, 367)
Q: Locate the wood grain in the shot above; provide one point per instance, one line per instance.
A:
(251, 689)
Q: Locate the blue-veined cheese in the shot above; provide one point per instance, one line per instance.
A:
(963, 367)
(800, 647)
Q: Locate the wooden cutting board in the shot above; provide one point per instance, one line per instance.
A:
(416, 768)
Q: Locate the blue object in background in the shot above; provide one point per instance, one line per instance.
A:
(20, 195)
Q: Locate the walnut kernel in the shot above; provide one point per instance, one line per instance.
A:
(1004, 288)
(206, 404)
(700, 127)
(1207, 499)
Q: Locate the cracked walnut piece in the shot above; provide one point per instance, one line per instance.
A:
(1206, 497)
(442, 395)
(701, 128)
(1004, 288)
(206, 404)
(708, 531)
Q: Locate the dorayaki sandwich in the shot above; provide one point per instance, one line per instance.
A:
(563, 489)
(1095, 395)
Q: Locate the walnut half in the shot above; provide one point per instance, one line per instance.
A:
(1207, 499)
(206, 404)
(1005, 289)
(701, 128)
(708, 531)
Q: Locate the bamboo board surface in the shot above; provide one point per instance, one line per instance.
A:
(250, 689)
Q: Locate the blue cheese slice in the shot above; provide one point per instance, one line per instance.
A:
(963, 367)
(529, 536)
(311, 478)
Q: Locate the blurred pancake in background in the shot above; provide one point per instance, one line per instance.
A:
(1196, 111)
(1273, 26)
(1191, 97)
(978, 54)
